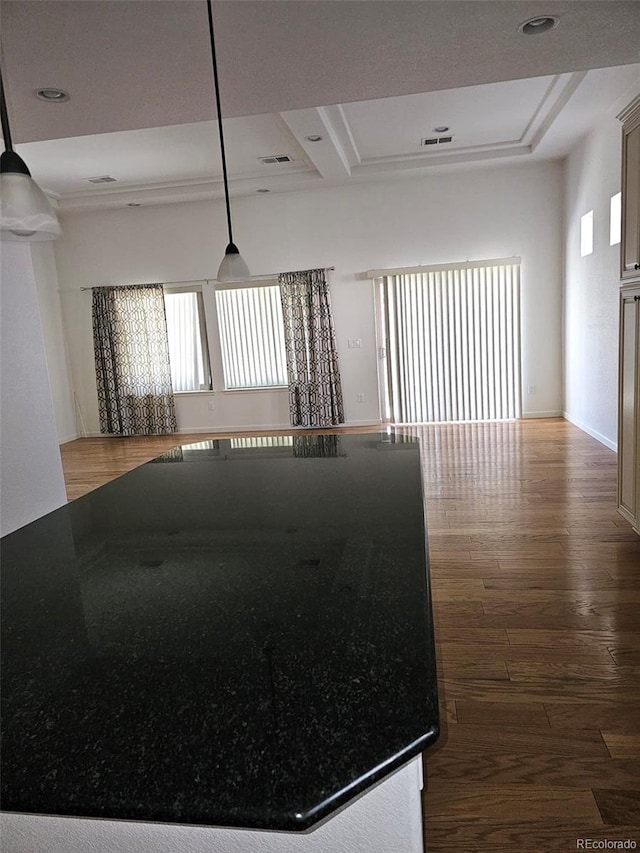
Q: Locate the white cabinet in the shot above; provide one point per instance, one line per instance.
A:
(629, 342)
(629, 406)
(630, 242)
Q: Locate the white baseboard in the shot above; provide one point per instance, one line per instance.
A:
(554, 414)
(612, 445)
(69, 438)
(201, 431)
(246, 427)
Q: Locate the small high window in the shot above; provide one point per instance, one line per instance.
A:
(586, 234)
(615, 219)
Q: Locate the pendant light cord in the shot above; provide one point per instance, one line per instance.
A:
(217, 91)
(6, 132)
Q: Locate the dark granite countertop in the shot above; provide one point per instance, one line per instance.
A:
(231, 635)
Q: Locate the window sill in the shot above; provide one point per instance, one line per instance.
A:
(259, 390)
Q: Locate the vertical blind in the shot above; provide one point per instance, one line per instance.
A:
(187, 341)
(252, 337)
(452, 343)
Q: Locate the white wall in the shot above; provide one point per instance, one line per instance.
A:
(591, 176)
(44, 269)
(446, 217)
(31, 469)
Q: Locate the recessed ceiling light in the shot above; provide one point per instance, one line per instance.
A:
(263, 190)
(541, 24)
(314, 137)
(52, 96)
(441, 128)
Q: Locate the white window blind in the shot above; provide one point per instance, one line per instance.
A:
(452, 343)
(188, 352)
(252, 337)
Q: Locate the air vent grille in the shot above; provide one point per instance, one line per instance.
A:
(102, 179)
(275, 158)
(436, 140)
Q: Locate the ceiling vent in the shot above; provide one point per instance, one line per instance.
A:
(436, 140)
(275, 158)
(102, 179)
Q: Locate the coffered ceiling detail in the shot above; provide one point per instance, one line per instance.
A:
(368, 81)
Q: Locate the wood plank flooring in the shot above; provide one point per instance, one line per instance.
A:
(536, 582)
(536, 595)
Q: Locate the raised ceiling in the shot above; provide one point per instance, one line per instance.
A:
(371, 77)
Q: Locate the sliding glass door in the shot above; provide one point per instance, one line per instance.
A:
(449, 342)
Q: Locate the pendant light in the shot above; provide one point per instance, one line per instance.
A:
(232, 268)
(25, 211)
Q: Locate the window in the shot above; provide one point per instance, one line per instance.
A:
(451, 342)
(615, 219)
(586, 234)
(252, 337)
(188, 350)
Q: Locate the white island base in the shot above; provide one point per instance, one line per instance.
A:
(385, 819)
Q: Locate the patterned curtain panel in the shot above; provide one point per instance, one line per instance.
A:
(315, 394)
(135, 396)
(316, 446)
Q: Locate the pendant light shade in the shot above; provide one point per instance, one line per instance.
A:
(26, 213)
(233, 267)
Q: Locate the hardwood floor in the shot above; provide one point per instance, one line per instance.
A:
(536, 588)
(536, 591)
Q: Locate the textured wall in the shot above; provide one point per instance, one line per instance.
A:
(44, 268)
(487, 212)
(32, 480)
(591, 177)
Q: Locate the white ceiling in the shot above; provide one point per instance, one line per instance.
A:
(372, 77)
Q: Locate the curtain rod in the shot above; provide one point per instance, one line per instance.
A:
(190, 281)
(493, 262)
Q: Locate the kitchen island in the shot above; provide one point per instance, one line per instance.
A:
(229, 648)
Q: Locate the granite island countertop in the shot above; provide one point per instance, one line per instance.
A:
(235, 634)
